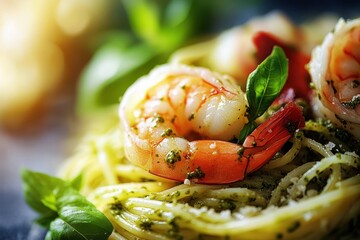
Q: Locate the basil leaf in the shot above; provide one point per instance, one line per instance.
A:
(73, 222)
(265, 83)
(62, 209)
(39, 196)
(263, 86)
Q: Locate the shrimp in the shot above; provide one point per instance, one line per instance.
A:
(234, 52)
(178, 121)
(335, 72)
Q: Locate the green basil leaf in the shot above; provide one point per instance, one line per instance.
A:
(38, 194)
(73, 223)
(113, 68)
(66, 213)
(265, 82)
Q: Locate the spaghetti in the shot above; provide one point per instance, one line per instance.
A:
(304, 194)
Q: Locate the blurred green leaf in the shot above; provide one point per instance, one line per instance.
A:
(144, 17)
(113, 68)
(177, 11)
(164, 24)
(157, 28)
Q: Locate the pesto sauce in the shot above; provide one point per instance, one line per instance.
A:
(174, 231)
(115, 208)
(145, 223)
(196, 174)
(172, 157)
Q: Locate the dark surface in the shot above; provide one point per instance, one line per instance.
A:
(44, 150)
(41, 149)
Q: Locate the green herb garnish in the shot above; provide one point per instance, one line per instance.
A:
(263, 86)
(63, 210)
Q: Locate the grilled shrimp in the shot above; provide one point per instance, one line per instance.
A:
(178, 121)
(335, 72)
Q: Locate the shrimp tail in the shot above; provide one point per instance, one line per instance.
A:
(268, 138)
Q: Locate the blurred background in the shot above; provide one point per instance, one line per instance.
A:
(63, 60)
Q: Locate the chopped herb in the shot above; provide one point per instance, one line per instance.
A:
(174, 232)
(226, 204)
(158, 119)
(172, 157)
(197, 174)
(299, 135)
(353, 103)
(192, 116)
(115, 208)
(176, 194)
(167, 132)
(145, 223)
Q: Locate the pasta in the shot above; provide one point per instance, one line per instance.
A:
(309, 190)
(288, 199)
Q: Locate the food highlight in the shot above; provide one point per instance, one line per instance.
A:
(194, 152)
